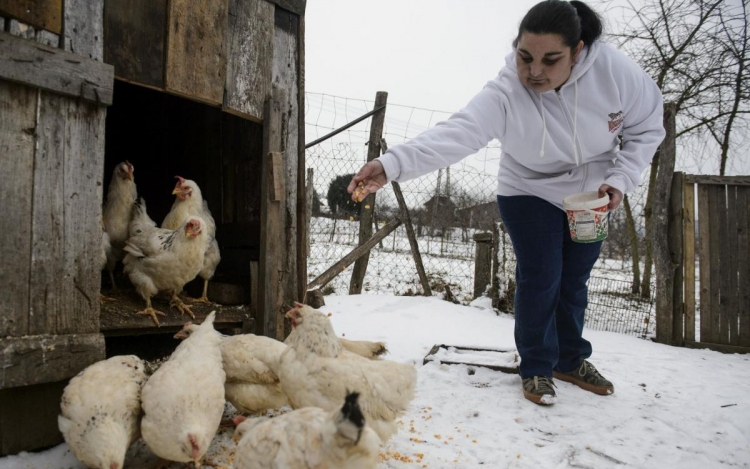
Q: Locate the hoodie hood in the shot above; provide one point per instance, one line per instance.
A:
(585, 59)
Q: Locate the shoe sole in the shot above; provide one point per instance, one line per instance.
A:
(600, 390)
(539, 399)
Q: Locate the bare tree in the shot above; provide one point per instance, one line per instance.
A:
(697, 53)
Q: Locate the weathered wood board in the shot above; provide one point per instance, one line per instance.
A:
(285, 77)
(118, 317)
(53, 69)
(82, 199)
(250, 49)
(43, 14)
(196, 49)
(40, 359)
(295, 6)
(743, 262)
(135, 37)
(17, 127)
(48, 215)
(84, 28)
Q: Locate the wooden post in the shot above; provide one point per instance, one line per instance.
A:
(270, 284)
(482, 263)
(404, 213)
(303, 203)
(494, 281)
(664, 266)
(675, 235)
(368, 205)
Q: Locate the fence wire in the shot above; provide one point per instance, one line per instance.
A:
(447, 208)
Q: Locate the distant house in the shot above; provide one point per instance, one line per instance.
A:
(439, 213)
(480, 216)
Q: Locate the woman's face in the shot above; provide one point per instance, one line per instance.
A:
(544, 62)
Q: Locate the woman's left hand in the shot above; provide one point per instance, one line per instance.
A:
(615, 196)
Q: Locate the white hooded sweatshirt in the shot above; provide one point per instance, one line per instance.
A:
(554, 144)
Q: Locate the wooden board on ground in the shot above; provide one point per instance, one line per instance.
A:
(196, 49)
(118, 316)
(135, 37)
(505, 360)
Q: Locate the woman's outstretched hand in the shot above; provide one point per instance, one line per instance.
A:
(368, 180)
(615, 196)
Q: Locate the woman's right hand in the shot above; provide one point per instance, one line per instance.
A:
(368, 180)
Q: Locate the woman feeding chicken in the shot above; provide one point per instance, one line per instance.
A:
(572, 114)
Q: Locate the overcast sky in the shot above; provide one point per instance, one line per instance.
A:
(435, 54)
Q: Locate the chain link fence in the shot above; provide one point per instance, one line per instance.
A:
(447, 208)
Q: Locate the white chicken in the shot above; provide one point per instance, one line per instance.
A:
(183, 401)
(100, 411)
(159, 259)
(309, 438)
(316, 371)
(189, 201)
(250, 363)
(118, 211)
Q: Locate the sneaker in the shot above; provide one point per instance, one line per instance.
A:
(539, 390)
(588, 378)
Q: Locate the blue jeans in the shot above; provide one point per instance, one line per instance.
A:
(551, 293)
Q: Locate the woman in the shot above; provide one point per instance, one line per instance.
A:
(559, 107)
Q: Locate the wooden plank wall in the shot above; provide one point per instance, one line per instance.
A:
(53, 190)
(723, 247)
(196, 49)
(135, 37)
(250, 43)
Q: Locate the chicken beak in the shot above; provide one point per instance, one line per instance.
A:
(176, 190)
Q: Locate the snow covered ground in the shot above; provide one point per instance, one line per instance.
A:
(672, 408)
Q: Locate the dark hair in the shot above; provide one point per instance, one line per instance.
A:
(574, 21)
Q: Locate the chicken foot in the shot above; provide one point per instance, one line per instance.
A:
(176, 302)
(149, 311)
(204, 298)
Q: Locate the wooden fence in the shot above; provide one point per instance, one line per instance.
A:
(712, 247)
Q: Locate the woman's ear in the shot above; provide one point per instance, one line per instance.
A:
(577, 51)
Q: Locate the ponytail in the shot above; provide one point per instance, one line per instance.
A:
(574, 21)
(591, 23)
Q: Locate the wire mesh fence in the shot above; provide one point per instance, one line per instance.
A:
(447, 208)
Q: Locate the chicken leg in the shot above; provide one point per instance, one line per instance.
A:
(204, 298)
(176, 302)
(149, 311)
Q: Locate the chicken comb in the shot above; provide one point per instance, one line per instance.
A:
(181, 179)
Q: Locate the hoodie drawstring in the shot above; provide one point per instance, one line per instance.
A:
(544, 126)
(575, 123)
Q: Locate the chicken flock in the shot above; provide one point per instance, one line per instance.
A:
(156, 258)
(345, 399)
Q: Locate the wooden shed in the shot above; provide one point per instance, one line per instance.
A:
(209, 90)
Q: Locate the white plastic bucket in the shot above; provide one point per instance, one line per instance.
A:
(587, 216)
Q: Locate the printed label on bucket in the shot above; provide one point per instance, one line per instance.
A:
(587, 227)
